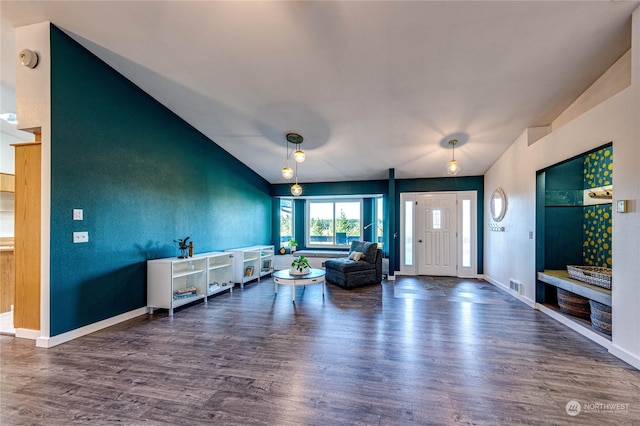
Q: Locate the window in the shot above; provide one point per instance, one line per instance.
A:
(408, 232)
(466, 233)
(436, 219)
(333, 223)
(379, 231)
(286, 221)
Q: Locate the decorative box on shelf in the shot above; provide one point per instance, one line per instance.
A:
(594, 275)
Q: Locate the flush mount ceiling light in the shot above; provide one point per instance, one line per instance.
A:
(298, 156)
(453, 167)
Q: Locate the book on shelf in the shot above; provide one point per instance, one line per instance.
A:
(177, 296)
(186, 290)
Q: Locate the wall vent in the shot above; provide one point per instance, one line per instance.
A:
(516, 286)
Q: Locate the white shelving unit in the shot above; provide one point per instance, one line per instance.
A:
(219, 272)
(173, 282)
(250, 263)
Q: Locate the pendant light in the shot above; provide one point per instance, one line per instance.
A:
(453, 167)
(296, 189)
(287, 172)
(296, 139)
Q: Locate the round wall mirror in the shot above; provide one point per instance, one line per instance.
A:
(498, 205)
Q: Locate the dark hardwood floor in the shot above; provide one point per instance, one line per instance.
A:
(419, 351)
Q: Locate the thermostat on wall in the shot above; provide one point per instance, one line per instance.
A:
(622, 206)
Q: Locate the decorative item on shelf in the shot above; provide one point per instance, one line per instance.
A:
(184, 248)
(594, 275)
(292, 245)
(573, 304)
(190, 248)
(600, 317)
(453, 167)
(282, 250)
(266, 265)
(300, 266)
(248, 271)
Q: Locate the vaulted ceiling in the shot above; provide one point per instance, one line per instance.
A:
(369, 85)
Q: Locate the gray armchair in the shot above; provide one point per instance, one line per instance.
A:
(362, 267)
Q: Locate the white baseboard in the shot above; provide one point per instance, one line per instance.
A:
(25, 333)
(581, 329)
(506, 289)
(630, 359)
(49, 342)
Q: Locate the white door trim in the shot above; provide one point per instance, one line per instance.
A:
(408, 246)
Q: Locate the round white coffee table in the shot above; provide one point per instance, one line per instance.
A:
(283, 277)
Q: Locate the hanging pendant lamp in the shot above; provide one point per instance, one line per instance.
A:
(296, 189)
(453, 167)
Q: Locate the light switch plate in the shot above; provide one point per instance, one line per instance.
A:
(622, 206)
(77, 214)
(80, 237)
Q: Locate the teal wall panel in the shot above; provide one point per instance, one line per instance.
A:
(575, 234)
(143, 177)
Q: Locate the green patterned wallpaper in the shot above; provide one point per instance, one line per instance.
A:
(597, 223)
(598, 168)
(596, 248)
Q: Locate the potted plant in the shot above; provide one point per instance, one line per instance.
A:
(300, 266)
(292, 245)
(184, 248)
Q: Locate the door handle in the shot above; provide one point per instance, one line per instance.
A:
(419, 241)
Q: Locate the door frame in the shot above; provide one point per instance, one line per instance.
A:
(408, 255)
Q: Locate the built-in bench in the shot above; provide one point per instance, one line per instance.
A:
(561, 279)
(318, 257)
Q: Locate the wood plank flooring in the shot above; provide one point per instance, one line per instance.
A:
(419, 351)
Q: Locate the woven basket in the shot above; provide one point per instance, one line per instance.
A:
(573, 304)
(600, 317)
(593, 275)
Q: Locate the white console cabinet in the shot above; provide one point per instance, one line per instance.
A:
(250, 263)
(173, 282)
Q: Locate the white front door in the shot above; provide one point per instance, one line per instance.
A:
(437, 234)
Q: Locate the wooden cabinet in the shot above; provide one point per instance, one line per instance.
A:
(26, 312)
(251, 263)
(174, 282)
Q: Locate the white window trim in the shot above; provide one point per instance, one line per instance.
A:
(307, 221)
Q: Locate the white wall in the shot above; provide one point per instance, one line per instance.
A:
(511, 254)
(33, 107)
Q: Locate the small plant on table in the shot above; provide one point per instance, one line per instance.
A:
(300, 266)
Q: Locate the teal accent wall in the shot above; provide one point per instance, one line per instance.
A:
(390, 189)
(563, 214)
(143, 177)
(574, 233)
(466, 183)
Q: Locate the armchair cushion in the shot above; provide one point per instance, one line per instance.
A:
(368, 248)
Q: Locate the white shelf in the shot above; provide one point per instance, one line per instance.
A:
(187, 273)
(166, 277)
(249, 262)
